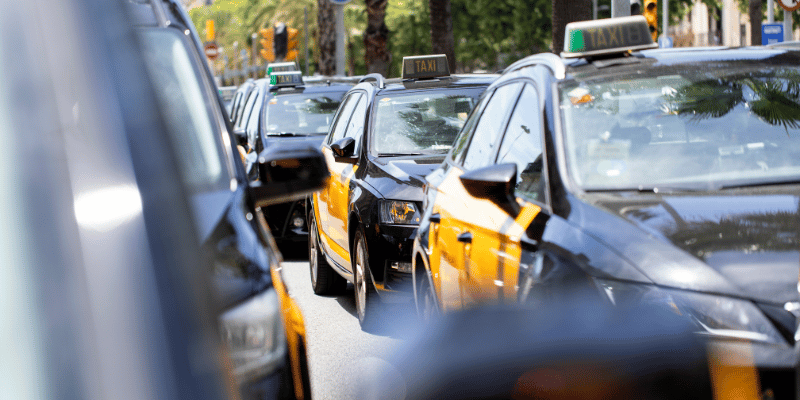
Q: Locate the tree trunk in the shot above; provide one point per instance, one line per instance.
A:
(756, 17)
(326, 39)
(564, 12)
(442, 31)
(376, 52)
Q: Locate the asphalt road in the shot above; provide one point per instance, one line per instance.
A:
(344, 360)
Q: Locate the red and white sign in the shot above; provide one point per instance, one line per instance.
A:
(211, 50)
(789, 5)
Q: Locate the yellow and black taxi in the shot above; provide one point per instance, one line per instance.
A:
(284, 109)
(669, 177)
(386, 136)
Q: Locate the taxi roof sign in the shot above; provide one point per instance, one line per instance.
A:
(607, 36)
(286, 79)
(422, 67)
(281, 67)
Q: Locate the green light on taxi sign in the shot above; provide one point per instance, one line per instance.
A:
(424, 67)
(281, 67)
(607, 36)
(576, 43)
(286, 79)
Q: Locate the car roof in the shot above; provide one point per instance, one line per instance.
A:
(314, 87)
(453, 81)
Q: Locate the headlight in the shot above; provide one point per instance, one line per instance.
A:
(253, 332)
(714, 316)
(399, 212)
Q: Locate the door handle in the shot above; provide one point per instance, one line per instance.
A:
(435, 218)
(465, 237)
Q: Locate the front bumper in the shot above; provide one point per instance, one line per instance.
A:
(390, 257)
(287, 221)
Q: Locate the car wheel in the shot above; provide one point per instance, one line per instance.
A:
(324, 280)
(427, 307)
(367, 301)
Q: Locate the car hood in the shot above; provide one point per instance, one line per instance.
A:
(746, 245)
(401, 178)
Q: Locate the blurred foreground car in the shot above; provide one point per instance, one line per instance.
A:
(260, 325)
(386, 136)
(665, 177)
(99, 291)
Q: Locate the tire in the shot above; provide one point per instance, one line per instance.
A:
(367, 300)
(427, 307)
(324, 280)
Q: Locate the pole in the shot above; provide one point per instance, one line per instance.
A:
(620, 8)
(339, 9)
(770, 11)
(305, 30)
(254, 36)
(594, 9)
(664, 17)
(787, 26)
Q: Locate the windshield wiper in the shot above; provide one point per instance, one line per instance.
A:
(285, 134)
(397, 154)
(651, 189)
(793, 181)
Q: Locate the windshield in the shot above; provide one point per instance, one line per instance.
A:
(697, 128)
(301, 114)
(422, 122)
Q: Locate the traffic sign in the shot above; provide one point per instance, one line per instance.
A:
(340, 2)
(789, 5)
(211, 50)
(771, 33)
(665, 42)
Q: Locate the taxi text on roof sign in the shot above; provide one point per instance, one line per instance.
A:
(607, 36)
(421, 67)
(281, 67)
(286, 79)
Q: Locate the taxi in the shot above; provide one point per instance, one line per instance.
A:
(666, 177)
(284, 109)
(386, 136)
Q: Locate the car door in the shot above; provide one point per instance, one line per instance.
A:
(468, 270)
(522, 145)
(330, 204)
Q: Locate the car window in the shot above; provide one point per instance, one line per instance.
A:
(301, 114)
(481, 146)
(423, 122)
(252, 122)
(244, 113)
(469, 127)
(343, 118)
(187, 116)
(522, 145)
(355, 129)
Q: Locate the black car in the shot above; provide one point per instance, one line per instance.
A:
(99, 290)
(265, 343)
(658, 177)
(290, 112)
(387, 135)
(240, 98)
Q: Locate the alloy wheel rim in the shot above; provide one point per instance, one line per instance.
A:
(313, 253)
(361, 287)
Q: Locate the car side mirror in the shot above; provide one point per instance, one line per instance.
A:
(241, 136)
(288, 172)
(495, 183)
(343, 150)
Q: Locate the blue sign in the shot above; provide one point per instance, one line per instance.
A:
(771, 33)
(340, 2)
(665, 42)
